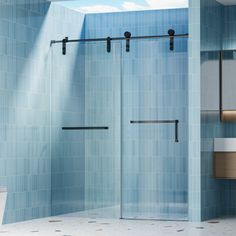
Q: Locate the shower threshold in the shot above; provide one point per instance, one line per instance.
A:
(162, 212)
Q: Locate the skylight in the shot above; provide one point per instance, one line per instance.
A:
(102, 6)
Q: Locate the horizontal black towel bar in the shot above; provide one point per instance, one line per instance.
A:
(176, 122)
(153, 121)
(86, 128)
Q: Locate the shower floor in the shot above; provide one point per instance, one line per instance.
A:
(71, 225)
(170, 211)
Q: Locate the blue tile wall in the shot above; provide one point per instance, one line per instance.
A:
(44, 167)
(212, 190)
(216, 34)
(29, 172)
(25, 119)
(229, 32)
(138, 23)
(211, 25)
(25, 154)
(211, 40)
(229, 43)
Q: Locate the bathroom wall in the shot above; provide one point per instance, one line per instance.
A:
(26, 29)
(138, 23)
(143, 89)
(229, 43)
(229, 32)
(41, 165)
(218, 196)
(211, 40)
(25, 164)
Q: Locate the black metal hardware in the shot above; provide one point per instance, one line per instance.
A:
(176, 122)
(171, 33)
(86, 128)
(64, 42)
(220, 85)
(52, 42)
(119, 38)
(127, 37)
(176, 131)
(108, 44)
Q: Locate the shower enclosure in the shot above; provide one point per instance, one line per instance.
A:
(119, 129)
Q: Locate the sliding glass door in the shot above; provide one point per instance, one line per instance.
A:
(154, 130)
(119, 130)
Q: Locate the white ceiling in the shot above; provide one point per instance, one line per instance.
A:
(227, 2)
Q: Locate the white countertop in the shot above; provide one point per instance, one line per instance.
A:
(225, 145)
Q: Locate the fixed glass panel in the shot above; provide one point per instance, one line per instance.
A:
(154, 164)
(85, 129)
(102, 148)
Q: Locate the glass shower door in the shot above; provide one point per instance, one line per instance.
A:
(85, 130)
(154, 130)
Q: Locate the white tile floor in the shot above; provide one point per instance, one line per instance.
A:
(69, 225)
